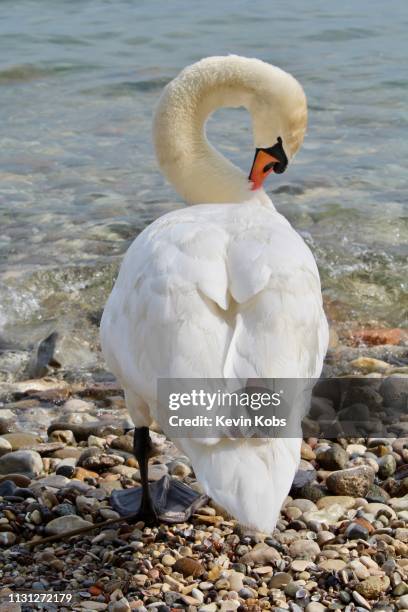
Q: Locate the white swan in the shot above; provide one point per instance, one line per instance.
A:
(225, 288)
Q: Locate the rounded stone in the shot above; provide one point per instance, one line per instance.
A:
(402, 602)
(387, 466)
(400, 589)
(188, 567)
(179, 468)
(332, 565)
(315, 606)
(198, 595)
(372, 587)
(346, 501)
(355, 531)
(332, 458)
(62, 435)
(292, 588)
(65, 470)
(21, 462)
(304, 549)
(168, 560)
(63, 524)
(323, 537)
(5, 446)
(20, 440)
(122, 605)
(307, 452)
(394, 391)
(300, 565)
(353, 482)
(378, 508)
(293, 513)
(236, 581)
(7, 538)
(261, 554)
(280, 580)
(356, 450)
(304, 505)
(328, 515)
(64, 509)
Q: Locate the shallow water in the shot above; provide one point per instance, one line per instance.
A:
(78, 179)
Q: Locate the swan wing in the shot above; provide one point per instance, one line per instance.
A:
(279, 331)
(164, 317)
(280, 328)
(212, 292)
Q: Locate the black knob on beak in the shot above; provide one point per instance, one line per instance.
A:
(278, 152)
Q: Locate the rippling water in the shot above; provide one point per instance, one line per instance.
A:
(78, 179)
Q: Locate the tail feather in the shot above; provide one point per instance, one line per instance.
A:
(249, 478)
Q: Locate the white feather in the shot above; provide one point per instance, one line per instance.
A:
(212, 291)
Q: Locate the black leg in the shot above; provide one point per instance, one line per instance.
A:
(142, 447)
(172, 498)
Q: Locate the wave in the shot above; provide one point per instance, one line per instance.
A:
(24, 73)
(124, 88)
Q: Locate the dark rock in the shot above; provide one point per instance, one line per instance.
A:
(359, 394)
(302, 478)
(387, 466)
(312, 492)
(64, 509)
(402, 488)
(333, 458)
(355, 531)
(345, 597)
(19, 479)
(239, 567)
(171, 597)
(65, 470)
(42, 357)
(394, 391)
(330, 388)
(355, 413)
(376, 494)
(9, 489)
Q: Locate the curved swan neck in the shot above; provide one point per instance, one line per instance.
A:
(199, 173)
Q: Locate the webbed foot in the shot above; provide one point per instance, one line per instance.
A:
(172, 502)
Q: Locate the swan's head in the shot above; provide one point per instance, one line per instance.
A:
(277, 105)
(279, 118)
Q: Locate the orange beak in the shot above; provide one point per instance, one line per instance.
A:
(262, 166)
(267, 160)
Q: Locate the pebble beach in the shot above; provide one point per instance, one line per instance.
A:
(341, 542)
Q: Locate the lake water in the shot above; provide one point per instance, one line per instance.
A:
(78, 178)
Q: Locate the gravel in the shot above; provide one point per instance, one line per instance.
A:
(335, 547)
